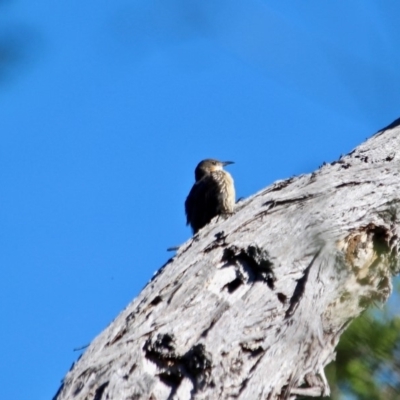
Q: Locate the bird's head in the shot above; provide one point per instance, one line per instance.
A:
(209, 165)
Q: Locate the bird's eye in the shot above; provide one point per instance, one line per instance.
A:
(214, 163)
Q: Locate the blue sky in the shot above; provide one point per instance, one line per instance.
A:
(108, 108)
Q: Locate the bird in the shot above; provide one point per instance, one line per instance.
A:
(212, 194)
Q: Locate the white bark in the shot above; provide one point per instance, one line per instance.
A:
(253, 306)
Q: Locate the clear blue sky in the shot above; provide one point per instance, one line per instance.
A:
(108, 109)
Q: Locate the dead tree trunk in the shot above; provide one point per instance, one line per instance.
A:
(253, 306)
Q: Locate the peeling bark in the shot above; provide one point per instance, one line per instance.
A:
(253, 306)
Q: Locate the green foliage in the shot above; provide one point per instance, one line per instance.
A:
(367, 365)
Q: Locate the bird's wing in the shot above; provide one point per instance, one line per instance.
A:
(201, 205)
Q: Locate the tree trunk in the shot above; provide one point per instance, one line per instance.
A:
(253, 306)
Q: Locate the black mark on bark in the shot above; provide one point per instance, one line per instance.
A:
(100, 390)
(256, 259)
(195, 364)
(299, 290)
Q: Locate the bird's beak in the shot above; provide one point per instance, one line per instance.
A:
(227, 163)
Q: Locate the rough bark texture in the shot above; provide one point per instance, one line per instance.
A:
(253, 306)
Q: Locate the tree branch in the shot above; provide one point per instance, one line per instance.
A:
(252, 307)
